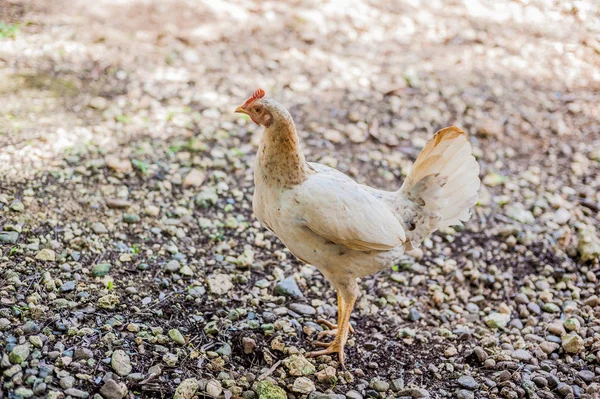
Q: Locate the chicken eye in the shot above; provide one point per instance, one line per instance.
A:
(257, 110)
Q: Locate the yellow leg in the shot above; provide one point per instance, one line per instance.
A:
(337, 345)
(333, 327)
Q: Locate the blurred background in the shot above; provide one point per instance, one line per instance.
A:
(119, 147)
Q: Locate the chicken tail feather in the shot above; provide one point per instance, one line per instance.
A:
(442, 186)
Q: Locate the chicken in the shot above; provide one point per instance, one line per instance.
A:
(349, 230)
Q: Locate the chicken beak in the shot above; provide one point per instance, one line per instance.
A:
(241, 110)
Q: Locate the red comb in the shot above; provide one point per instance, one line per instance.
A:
(259, 93)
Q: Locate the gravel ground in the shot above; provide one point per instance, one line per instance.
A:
(131, 264)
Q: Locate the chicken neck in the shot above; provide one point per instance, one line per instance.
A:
(280, 157)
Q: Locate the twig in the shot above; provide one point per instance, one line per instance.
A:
(148, 379)
(269, 371)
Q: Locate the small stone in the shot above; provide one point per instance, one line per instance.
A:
(67, 382)
(564, 389)
(118, 165)
(23, 392)
(46, 255)
(219, 284)
(414, 393)
(194, 179)
(214, 388)
(121, 363)
(19, 354)
(303, 385)
(186, 271)
(176, 336)
(465, 394)
(172, 266)
(8, 237)
(249, 344)
(267, 390)
(302, 309)
(36, 341)
(326, 376)
(572, 324)
(589, 244)
(299, 366)
(520, 215)
(466, 381)
(522, 355)
(586, 375)
(83, 353)
(572, 343)
(450, 351)
(551, 308)
(77, 393)
(67, 286)
(17, 206)
(98, 103)
(99, 228)
(549, 347)
(113, 390)
(379, 385)
(196, 291)
(187, 389)
(101, 269)
(592, 301)
(109, 301)
(352, 394)
(288, 287)
(117, 203)
(497, 320)
(556, 328)
(131, 218)
(414, 314)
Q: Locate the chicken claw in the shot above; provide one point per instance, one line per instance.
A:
(334, 347)
(333, 328)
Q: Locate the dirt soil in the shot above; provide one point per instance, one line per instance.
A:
(131, 264)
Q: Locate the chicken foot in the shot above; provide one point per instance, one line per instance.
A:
(343, 329)
(333, 328)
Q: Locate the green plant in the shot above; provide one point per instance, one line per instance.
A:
(141, 165)
(8, 30)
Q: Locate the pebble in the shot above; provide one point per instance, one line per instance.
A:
(450, 351)
(117, 203)
(497, 320)
(121, 363)
(466, 381)
(572, 343)
(101, 269)
(302, 309)
(465, 394)
(176, 336)
(219, 284)
(47, 255)
(352, 394)
(522, 355)
(414, 393)
(187, 389)
(288, 287)
(213, 388)
(379, 385)
(303, 385)
(586, 375)
(8, 237)
(19, 354)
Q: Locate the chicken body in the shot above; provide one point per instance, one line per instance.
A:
(345, 229)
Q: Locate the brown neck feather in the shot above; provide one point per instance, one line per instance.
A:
(279, 156)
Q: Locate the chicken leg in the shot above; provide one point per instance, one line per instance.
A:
(343, 328)
(333, 328)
